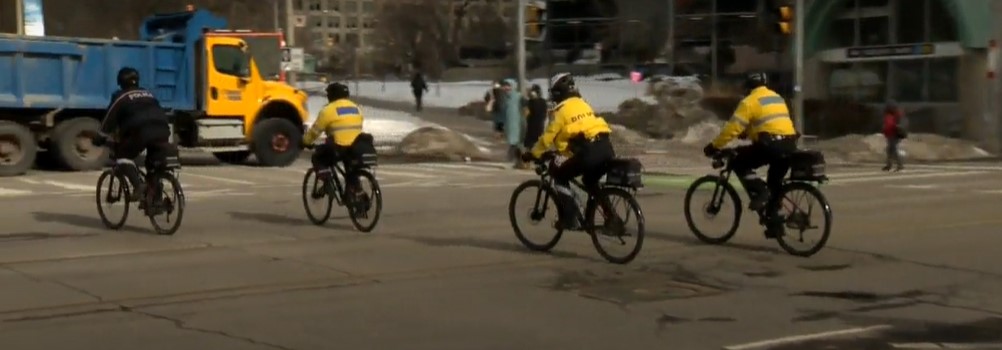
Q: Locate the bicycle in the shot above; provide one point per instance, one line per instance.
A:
(154, 202)
(807, 169)
(332, 188)
(622, 180)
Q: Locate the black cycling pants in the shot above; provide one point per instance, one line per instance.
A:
(154, 138)
(589, 161)
(775, 154)
(328, 154)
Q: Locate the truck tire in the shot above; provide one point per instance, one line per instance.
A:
(18, 149)
(71, 144)
(276, 142)
(235, 157)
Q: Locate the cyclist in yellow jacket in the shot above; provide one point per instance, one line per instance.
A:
(578, 133)
(341, 120)
(764, 118)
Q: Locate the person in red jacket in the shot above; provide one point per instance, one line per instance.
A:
(894, 132)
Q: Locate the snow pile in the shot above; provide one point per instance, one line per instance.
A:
(701, 133)
(920, 147)
(604, 95)
(388, 127)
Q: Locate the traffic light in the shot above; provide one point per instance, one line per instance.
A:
(535, 21)
(784, 19)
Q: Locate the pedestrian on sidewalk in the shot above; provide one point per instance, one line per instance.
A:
(513, 120)
(493, 106)
(418, 87)
(894, 130)
(536, 120)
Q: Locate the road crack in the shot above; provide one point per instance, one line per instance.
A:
(180, 324)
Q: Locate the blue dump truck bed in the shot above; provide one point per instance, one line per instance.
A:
(74, 73)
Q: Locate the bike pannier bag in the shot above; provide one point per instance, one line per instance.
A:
(626, 172)
(364, 149)
(807, 166)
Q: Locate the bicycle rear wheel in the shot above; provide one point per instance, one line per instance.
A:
(720, 192)
(615, 231)
(797, 218)
(365, 206)
(167, 203)
(115, 194)
(542, 198)
(315, 192)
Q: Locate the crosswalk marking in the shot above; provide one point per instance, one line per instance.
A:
(70, 186)
(220, 179)
(836, 181)
(9, 192)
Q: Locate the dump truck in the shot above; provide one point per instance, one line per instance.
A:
(56, 92)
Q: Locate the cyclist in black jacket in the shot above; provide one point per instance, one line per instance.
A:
(139, 123)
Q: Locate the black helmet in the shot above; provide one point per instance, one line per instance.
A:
(562, 86)
(336, 91)
(756, 79)
(128, 77)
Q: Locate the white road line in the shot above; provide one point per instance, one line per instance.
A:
(7, 192)
(863, 174)
(220, 179)
(905, 177)
(990, 192)
(404, 174)
(70, 186)
(806, 337)
(29, 181)
(915, 346)
(915, 187)
(461, 166)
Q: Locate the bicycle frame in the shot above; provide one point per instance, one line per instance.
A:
(543, 170)
(723, 162)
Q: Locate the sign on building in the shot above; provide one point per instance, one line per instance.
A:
(293, 59)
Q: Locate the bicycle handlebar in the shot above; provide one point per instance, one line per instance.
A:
(723, 157)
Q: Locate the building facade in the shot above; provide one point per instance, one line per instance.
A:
(930, 56)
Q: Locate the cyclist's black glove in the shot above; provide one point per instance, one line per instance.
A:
(528, 157)
(99, 140)
(709, 150)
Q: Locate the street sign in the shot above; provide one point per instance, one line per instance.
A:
(293, 58)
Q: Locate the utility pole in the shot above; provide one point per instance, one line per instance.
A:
(798, 70)
(671, 37)
(274, 12)
(19, 12)
(290, 37)
(713, 43)
(520, 44)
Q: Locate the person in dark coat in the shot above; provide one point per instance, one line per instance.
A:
(418, 87)
(536, 120)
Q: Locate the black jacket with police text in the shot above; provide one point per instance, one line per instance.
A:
(131, 109)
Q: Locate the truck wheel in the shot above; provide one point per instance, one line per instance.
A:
(18, 149)
(276, 142)
(235, 157)
(72, 147)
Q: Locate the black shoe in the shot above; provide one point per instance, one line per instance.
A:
(774, 227)
(886, 168)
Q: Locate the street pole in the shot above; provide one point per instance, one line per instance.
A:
(520, 44)
(290, 37)
(713, 44)
(798, 70)
(274, 12)
(671, 37)
(19, 12)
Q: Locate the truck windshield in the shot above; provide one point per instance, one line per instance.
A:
(267, 53)
(231, 60)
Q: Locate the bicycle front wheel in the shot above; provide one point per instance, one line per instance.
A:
(800, 201)
(723, 199)
(315, 194)
(541, 199)
(613, 234)
(112, 194)
(167, 207)
(365, 207)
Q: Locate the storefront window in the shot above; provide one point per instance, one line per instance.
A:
(908, 80)
(911, 22)
(874, 31)
(864, 82)
(843, 33)
(942, 24)
(943, 79)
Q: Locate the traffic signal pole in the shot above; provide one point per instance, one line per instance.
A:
(520, 44)
(798, 62)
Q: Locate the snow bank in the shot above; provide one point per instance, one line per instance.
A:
(921, 147)
(604, 95)
(388, 127)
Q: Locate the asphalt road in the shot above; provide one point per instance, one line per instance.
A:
(912, 263)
